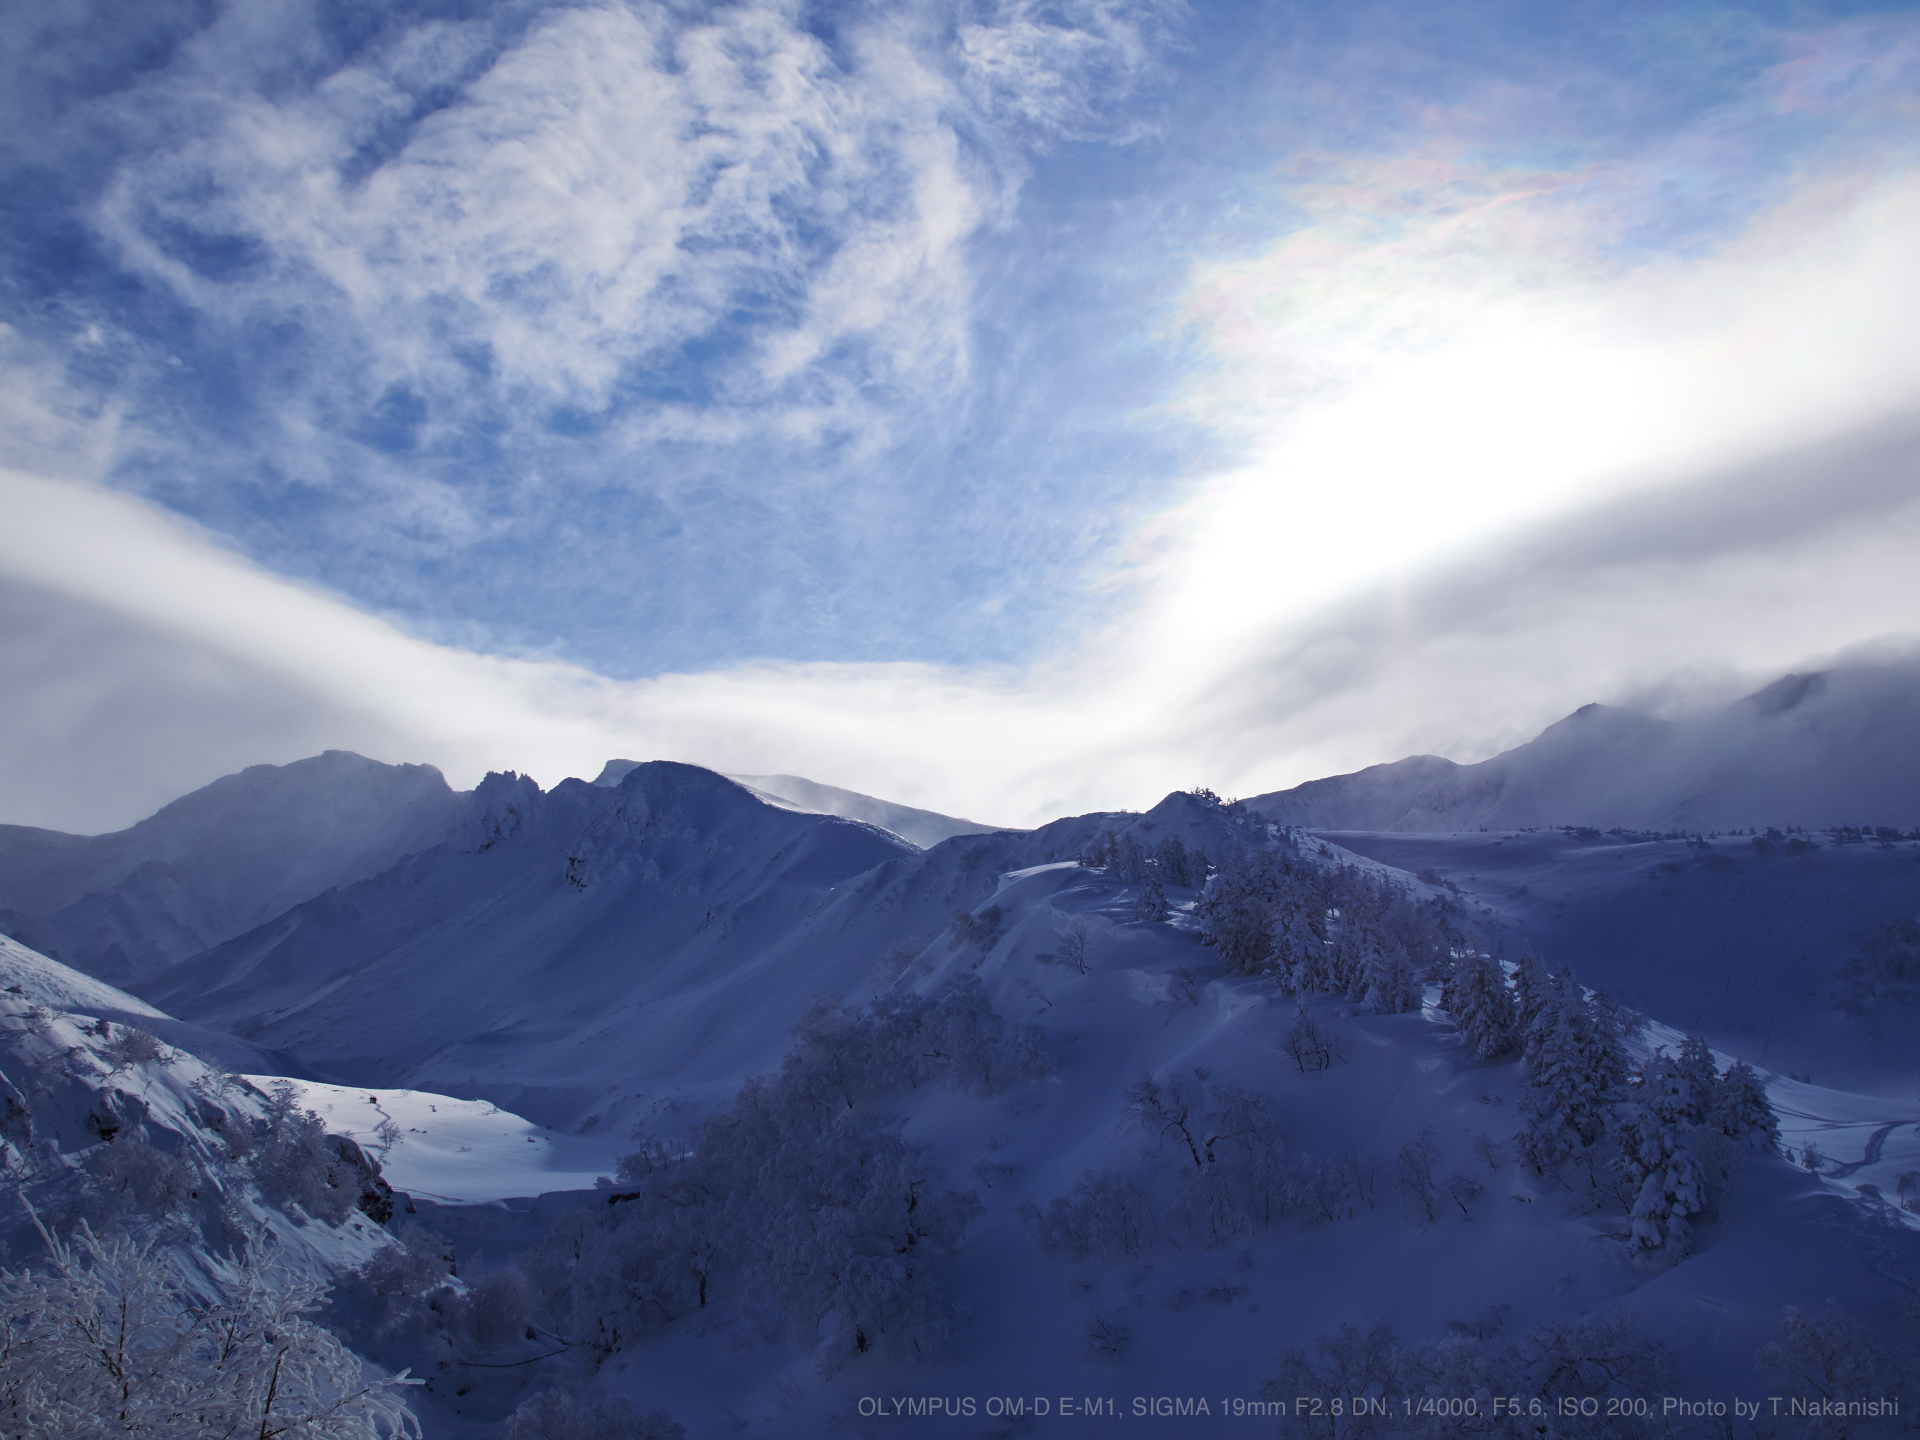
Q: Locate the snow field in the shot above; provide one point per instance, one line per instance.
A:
(455, 1152)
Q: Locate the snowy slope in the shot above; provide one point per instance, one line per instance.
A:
(1203, 1323)
(922, 827)
(96, 1126)
(1735, 944)
(217, 862)
(456, 1152)
(46, 981)
(588, 956)
(575, 949)
(1813, 750)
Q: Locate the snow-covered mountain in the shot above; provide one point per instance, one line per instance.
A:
(795, 792)
(217, 862)
(784, 1125)
(1828, 748)
(597, 951)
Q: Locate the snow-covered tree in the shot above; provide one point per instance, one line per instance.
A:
(295, 1165)
(1482, 1006)
(1176, 864)
(1169, 1110)
(1827, 1357)
(1575, 1064)
(799, 1194)
(1695, 1077)
(1391, 984)
(1108, 1215)
(1235, 911)
(1532, 987)
(106, 1340)
(1582, 1360)
(1658, 1126)
(1152, 904)
(1739, 1109)
(1073, 943)
(1298, 943)
(1884, 970)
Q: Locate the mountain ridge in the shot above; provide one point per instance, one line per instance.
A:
(1810, 749)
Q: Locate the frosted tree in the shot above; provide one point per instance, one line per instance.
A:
(1169, 1110)
(1391, 983)
(1299, 943)
(1532, 987)
(1739, 1109)
(1827, 1357)
(107, 1341)
(1235, 910)
(799, 1193)
(130, 1171)
(295, 1165)
(1353, 1364)
(1575, 1064)
(1658, 1126)
(1482, 1006)
(1152, 904)
(1073, 943)
(1885, 970)
(1178, 865)
(1697, 1074)
(1107, 1216)
(1581, 1360)
(846, 1236)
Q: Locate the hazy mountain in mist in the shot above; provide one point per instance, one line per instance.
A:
(1825, 748)
(217, 862)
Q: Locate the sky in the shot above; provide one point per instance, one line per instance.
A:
(1008, 409)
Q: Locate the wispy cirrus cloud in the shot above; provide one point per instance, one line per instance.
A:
(412, 300)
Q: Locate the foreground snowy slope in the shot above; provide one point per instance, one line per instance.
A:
(1828, 748)
(105, 1120)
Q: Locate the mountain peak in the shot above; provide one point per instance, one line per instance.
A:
(1786, 693)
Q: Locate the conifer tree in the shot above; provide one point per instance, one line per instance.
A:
(1739, 1108)
(1392, 984)
(1152, 904)
(1482, 1006)
(1657, 1126)
(1576, 1063)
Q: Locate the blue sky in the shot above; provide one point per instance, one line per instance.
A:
(1010, 346)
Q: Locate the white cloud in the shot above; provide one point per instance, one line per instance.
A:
(1481, 372)
(617, 183)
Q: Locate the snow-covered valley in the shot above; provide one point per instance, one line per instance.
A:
(1117, 1122)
